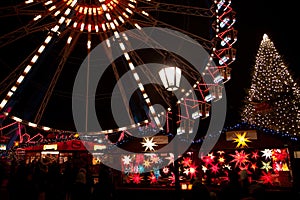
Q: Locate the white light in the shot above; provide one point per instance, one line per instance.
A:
(107, 15)
(27, 69)
(67, 12)
(20, 79)
(96, 28)
(52, 8)
(17, 119)
(32, 124)
(138, 26)
(9, 94)
(34, 58)
(170, 77)
(73, 3)
(48, 3)
(89, 44)
(128, 10)
(224, 22)
(46, 128)
(14, 88)
(208, 98)
(41, 49)
(69, 40)
(48, 39)
(4, 101)
(37, 17)
(29, 1)
(126, 56)
(122, 46)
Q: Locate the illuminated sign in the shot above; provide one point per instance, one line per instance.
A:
(99, 147)
(50, 147)
(50, 152)
(160, 139)
(3, 147)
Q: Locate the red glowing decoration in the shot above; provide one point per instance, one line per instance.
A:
(267, 178)
(255, 155)
(208, 160)
(152, 179)
(215, 168)
(186, 162)
(240, 158)
(136, 178)
(193, 171)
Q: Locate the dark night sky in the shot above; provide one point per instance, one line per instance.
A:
(278, 19)
(254, 18)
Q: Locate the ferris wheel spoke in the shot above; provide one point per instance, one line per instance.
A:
(135, 57)
(12, 77)
(20, 9)
(65, 52)
(22, 32)
(177, 9)
(207, 44)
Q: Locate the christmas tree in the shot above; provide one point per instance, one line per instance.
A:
(273, 99)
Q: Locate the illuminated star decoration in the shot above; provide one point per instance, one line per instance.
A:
(186, 162)
(149, 144)
(285, 167)
(186, 171)
(204, 168)
(279, 155)
(166, 170)
(267, 153)
(147, 163)
(155, 158)
(227, 166)
(193, 171)
(215, 168)
(136, 178)
(266, 166)
(267, 178)
(139, 158)
(127, 170)
(141, 169)
(170, 158)
(156, 172)
(241, 140)
(126, 160)
(253, 166)
(255, 155)
(209, 159)
(221, 160)
(152, 178)
(172, 178)
(240, 158)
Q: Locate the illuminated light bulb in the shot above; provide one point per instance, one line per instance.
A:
(37, 17)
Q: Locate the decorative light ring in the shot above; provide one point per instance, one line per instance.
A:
(92, 17)
(75, 14)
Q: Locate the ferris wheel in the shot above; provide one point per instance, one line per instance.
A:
(44, 42)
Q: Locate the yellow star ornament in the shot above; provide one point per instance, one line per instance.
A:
(241, 140)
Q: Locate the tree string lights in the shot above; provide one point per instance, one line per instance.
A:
(273, 99)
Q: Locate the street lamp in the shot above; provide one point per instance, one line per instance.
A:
(170, 77)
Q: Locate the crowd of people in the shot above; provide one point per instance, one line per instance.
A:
(54, 181)
(237, 187)
(68, 181)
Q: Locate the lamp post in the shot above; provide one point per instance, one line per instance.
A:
(170, 77)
